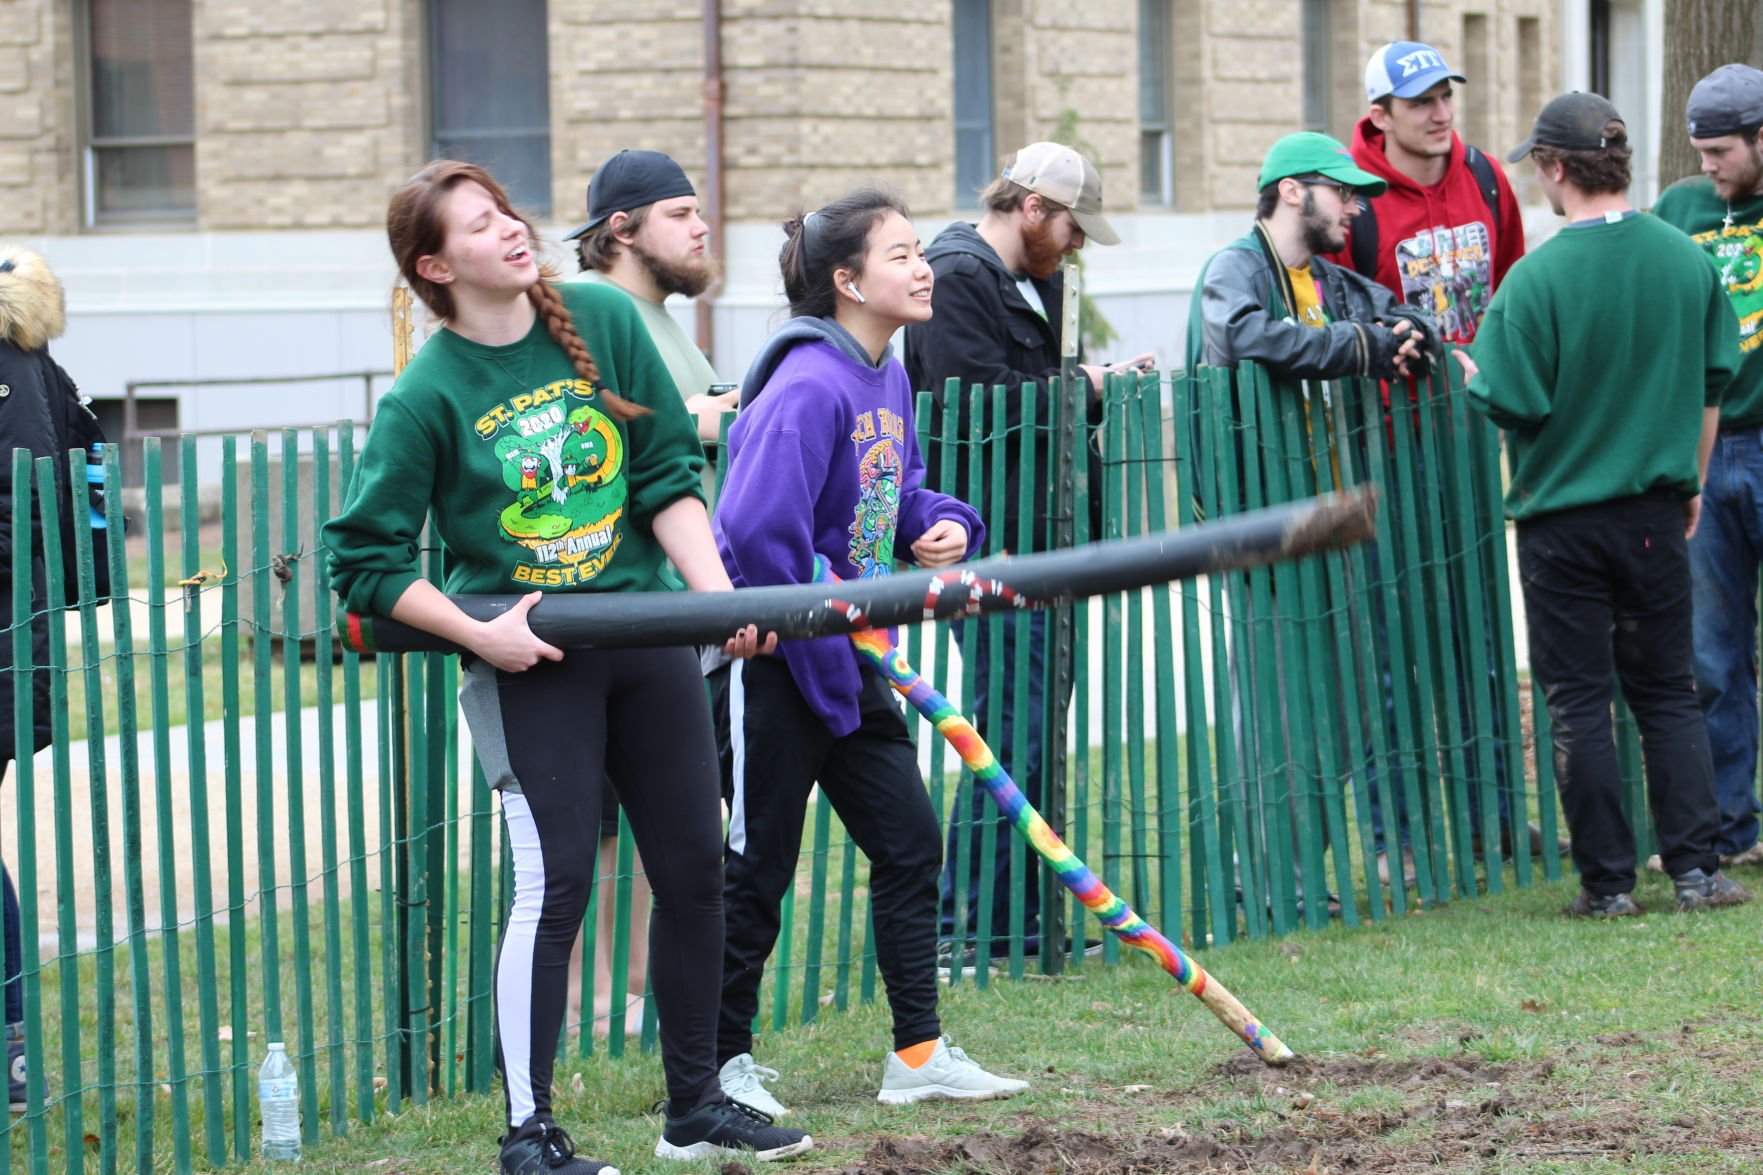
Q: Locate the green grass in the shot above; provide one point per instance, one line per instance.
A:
(1618, 1047)
(213, 681)
(210, 556)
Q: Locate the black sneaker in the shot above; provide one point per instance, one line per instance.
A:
(540, 1147)
(1616, 905)
(1701, 890)
(729, 1128)
(15, 1070)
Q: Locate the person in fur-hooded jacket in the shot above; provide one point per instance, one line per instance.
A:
(35, 395)
(37, 400)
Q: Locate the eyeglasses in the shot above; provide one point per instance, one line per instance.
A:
(1347, 192)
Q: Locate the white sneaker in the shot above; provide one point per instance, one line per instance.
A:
(744, 1081)
(949, 1074)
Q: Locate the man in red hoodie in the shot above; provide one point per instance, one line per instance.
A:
(1447, 228)
(1440, 237)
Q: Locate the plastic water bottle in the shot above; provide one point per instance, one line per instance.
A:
(278, 1096)
(95, 486)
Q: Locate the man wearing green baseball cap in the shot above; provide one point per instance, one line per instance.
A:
(1271, 297)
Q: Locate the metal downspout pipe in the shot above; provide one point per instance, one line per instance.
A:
(713, 189)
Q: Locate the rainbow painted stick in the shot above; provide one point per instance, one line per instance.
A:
(876, 645)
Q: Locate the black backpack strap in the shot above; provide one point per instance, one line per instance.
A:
(1483, 168)
(1363, 243)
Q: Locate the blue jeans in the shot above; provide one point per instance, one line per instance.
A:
(1724, 557)
(1030, 707)
(14, 952)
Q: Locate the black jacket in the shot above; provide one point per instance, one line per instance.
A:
(1244, 311)
(985, 332)
(36, 400)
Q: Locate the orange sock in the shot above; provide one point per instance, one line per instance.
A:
(914, 1056)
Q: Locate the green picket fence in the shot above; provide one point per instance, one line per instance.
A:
(231, 843)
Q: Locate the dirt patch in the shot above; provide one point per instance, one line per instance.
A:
(1404, 1073)
(1042, 1150)
(1441, 1113)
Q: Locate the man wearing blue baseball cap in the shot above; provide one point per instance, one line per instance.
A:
(1271, 296)
(1448, 228)
(1440, 238)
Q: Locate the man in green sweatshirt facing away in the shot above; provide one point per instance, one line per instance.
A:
(1604, 356)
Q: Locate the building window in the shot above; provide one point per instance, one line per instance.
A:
(490, 94)
(1156, 140)
(975, 155)
(141, 145)
(1478, 126)
(1530, 68)
(1317, 27)
(1600, 48)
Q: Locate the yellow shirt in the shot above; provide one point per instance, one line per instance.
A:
(1307, 308)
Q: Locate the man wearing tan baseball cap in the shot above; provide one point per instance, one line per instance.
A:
(1059, 174)
(995, 322)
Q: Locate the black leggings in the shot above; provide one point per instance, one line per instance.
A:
(775, 749)
(548, 738)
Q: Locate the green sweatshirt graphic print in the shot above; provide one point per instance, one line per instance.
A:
(1732, 237)
(530, 482)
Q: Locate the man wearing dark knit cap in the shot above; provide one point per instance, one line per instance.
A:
(1604, 356)
(1722, 211)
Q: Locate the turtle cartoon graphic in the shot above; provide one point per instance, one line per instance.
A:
(877, 511)
(565, 472)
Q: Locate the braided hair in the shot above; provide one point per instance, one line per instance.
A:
(415, 230)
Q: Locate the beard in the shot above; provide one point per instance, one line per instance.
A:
(1748, 182)
(1040, 255)
(690, 277)
(1320, 237)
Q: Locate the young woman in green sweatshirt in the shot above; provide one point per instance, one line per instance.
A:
(540, 433)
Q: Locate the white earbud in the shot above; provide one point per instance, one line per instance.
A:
(855, 292)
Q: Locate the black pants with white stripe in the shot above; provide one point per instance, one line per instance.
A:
(774, 749)
(549, 738)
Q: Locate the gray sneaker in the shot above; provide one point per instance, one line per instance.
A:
(948, 1075)
(1701, 890)
(1616, 905)
(744, 1081)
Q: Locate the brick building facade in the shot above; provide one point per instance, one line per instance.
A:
(301, 116)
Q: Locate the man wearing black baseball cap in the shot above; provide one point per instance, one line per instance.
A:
(1722, 211)
(1604, 356)
(645, 236)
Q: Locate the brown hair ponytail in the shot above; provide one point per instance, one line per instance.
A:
(414, 229)
(549, 303)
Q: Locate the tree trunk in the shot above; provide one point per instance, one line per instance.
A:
(1700, 36)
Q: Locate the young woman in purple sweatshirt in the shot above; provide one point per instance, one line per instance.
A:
(824, 461)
